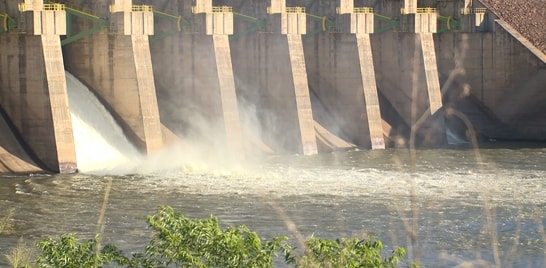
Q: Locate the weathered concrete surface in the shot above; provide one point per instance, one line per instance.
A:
(13, 156)
(149, 111)
(303, 100)
(33, 93)
(528, 44)
(264, 77)
(336, 81)
(431, 72)
(115, 63)
(367, 71)
(401, 78)
(327, 141)
(58, 97)
(189, 92)
(502, 75)
(230, 110)
(488, 74)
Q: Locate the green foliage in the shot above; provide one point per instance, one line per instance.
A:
(183, 242)
(202, 243)
(68, 252)
(347, 253)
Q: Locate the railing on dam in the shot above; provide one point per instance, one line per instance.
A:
(295, 9)
(54, 7)
(134, 8)
(363, 10)
(420, 10)
(468, 11)
(289, 10)
(222, 9)
(142, 8)
(48, 7)
(359, 10)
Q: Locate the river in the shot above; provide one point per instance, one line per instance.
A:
(447, 207)
(460, 210)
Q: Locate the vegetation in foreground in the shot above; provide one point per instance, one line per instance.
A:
(182, 242)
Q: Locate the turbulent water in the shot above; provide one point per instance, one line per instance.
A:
(460, 210)
(101, 145)
(448, 207)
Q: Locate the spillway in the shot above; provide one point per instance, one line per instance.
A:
(324, 76)
(101, 145)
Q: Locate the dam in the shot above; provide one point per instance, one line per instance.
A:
(277, 76)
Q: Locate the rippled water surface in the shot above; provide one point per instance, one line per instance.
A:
(459, 209)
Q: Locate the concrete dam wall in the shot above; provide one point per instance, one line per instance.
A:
(265, 76)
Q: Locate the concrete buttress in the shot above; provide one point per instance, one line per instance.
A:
(301, 88)
(370, 91)
(34, 93)
(292, 26)
(116, 64)
(218, 24)
(228, 95)
(62, 123)
(301, 77)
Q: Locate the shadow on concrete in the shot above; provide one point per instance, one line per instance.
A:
(15, 155)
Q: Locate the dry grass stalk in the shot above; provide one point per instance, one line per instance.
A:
(20, 256)
(6, 223)
(100, 222)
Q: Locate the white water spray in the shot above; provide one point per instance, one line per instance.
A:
(100, 143)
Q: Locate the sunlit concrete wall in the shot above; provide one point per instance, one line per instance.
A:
(475, 58)
(33, 87)
(479, 62)
(116, 64)
(186, 76)
(188, 88)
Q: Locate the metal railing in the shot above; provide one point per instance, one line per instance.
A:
(134, 8)
(47, 7)
(295, 9)
(468, 11)
(364, 10)
(419, 10)
(426, 10)
(222, 9)
(54, 7)
(142, 8)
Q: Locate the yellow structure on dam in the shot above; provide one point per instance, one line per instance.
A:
(264, 75)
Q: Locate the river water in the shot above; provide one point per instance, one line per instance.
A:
(459, 210)
(447, 207)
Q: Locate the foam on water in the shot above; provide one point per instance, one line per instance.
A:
(342, 194)
(101, 145)
(503, 186)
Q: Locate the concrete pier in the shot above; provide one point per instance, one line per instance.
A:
(427, 128)
(293, 24)
(303, 101)
(232, 123)
(219, 25)
(431, 72)
(362, 25)
(370, 91)
(323, 76)
(33, 88)
(116, 64)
